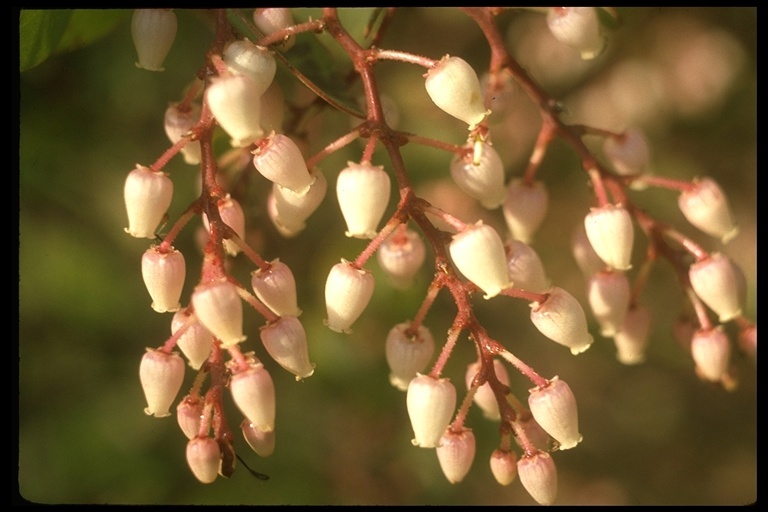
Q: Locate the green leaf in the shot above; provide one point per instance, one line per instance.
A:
(39, 35)
(87, 26)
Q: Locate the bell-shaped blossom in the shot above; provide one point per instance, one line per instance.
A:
(608, 296)
(454, 87)
(628, 153)
(219, 308)
(430, 403)
(286, 342)
(579, 28)
(748, 341)
(161, 375)
(163, 274)
(153, 32)
(610, 231)
(524, 208)
(147, 195)
(706, 207)
(401, 256)
(272, 19)
(631, 340)
(719, 283)
(711, 352)
(504, 466)
(178, 123)
(196, 341)
(538, 475)
(189, 416)
(273, 109)
(407, 353)
(233, 216)
(279, 159)
(561, 318)
(478, 253)
(484, 396)
(526, 270)
(293, 209)
(554, 408)
(275, 286)
(482, 178)
(363, 192)
(257, 62)
(253, 392)
(262, 442)
(348, 290)
(204, 457)
(455, 453)
(586, 258)
(235, 101)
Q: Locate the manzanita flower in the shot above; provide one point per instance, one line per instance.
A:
(561, 318)
(454, 87)
(524, 208)
(407, 353)
(233, 216)
(526, 270)
(153, 32)
(706, 206)
(293, 209)
(578, 27)
(235, 101)
(279, 159)
(363, 191)
(608, 296)
(219, 308)
(455, 453)
(401, 256)
(478, 253)
(275, 286)
(286, 341)
(163, 274)
(631, 340)
(482, 179)
(538, 475)
(554, 408)
(711, 351)
(719, 283)
(348, 290)
(178, 123)
(504, 466)
(273, 108)
(484, 397)
(250, 59)
(430, 402)
(147, 195)
(628, 153)
(196, 341)
(161, 375)
(272, 19)
(610, 231)
(586, 258)
(261, 441)
(253, 392)
(189, 416)
(204, 457)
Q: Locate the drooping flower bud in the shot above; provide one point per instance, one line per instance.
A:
(524, 208)
(348, 290)
(482, 179)
(276, 288)
(504, 466)
(189, 416)
(401, 256)
(610, 231)
(272, 19)
(748, 341)
(262, 442)
(163, 274)
(286, 341)
(706, 207)
(147, 197)
(153, 32)
(628, 153)
(203, 457)
(161, 376)
(233, 216)
(578, 27)
(526, 270)
(363, 192)
(178, 123)
(430, 403)
(455, 452)
(478, 253)
(273, 108)
(711, 351)
(631, 340)
(538, 475)
(586, 258)
(407, 353)
(279, 160)
(253, 392)
(453, 86)
(608, 296)
(484, 396)
(249, 59)
(196, 341)
(561, 318)
(220, 309)
(235, 101)
(554, 408)
(293, 209)
(719, 283)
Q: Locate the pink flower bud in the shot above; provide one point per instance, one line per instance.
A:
(578, 27)
(249, 59)
(610, 231)
(536, 434)
(196, 342)
(253, 392)
(279, 160)
(262, 442)
(719, 283)
(524, 208)
(430, 403)
(608, 296)
(554, 408)
(276, 287)
(407, 353)
(203, 457)
(273, 108)
(235, 101)
(632, 339)
(561, 318)
(348, 290)
(711, 351)
(748, 341)
(147, 197)
(161, 377)
(538, 475)
(233, 216)
(286, 342)
(504, 466)
(363, 192)
(220, 309)
(628, 153)
(478, 253)
(163, 274)
(455, 453)
(401, 256)
(586, 258)
(484, 396)
(178, 123)
(706, 207)
(274, 216)
(189, 414)
(272, 19)
(153, 32)
(293, 209)
(526, 270)
(482, 179)
(453, 86)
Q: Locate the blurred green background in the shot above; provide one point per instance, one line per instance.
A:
(653, 434)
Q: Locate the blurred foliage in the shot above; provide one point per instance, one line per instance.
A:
(653, 434)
